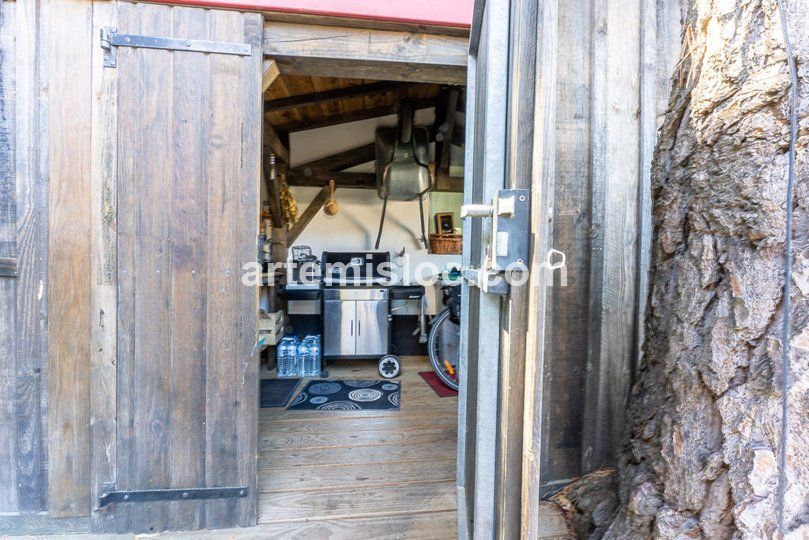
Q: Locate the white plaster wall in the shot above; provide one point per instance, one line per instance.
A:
(355, 226)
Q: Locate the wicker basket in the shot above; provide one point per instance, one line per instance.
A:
(445, 244)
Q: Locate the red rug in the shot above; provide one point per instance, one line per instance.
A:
(437, 385)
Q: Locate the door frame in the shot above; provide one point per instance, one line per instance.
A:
(510, 119)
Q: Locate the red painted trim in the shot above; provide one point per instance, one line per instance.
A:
(454, 13)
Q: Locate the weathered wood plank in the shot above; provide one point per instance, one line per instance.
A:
(514, 326)
(104, 269)
(615, 181)
(361, 455)
(533, 520)
(361, 476)
(366, 53)
(188, 224)
(363, 438)
(357, 503)
(247, 390)
(151, 79)
(69, 256)
(566, 350)
(8, 282)
(31, 253)
(127, 185)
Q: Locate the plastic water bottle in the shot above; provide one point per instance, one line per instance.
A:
(313, 368)
(301, 358)
(287, 353)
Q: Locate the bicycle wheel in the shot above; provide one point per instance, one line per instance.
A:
(443, 347)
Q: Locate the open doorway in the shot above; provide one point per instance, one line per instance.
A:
(327, 458)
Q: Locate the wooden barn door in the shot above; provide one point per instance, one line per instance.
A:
(508, 191)
(187, 99)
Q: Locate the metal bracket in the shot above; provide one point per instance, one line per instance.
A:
(110, 496)
(8, 267)
(509, 239)
(110, 38)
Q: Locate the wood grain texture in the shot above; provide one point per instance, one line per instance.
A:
(366, 53)
(269, 72)
(31, 159)
(514, 325)
(616, 178)
(566, 349)
(69, 256)
(8, 248)
(318, 466)
(188, 218)
(104, 270)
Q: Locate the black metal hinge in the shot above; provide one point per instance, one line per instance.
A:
(8, 267)
(110, 38)
(111, 496)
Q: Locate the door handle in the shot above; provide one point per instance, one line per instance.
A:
(359, 328)
(352, 328)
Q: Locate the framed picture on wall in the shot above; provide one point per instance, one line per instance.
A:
(445, 223)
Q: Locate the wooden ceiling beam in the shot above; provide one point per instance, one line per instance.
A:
(330, 96)
(320, 178)
(308, 215)
(273, 142)
(270, 72)
(355, 116)
(342, 160)
(363, 53)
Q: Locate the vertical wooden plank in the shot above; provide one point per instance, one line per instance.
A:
(127, 180)
(543, 179)
(616, 177)
(153, 302)
(31, 150)
(248, 225)
(566, 354)
(224, 367)
(514, 325)
(104, 269)
(69, 250)
(188, 225)
(8, 285)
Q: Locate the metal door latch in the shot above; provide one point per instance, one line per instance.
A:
(110, 38)
(508, 248)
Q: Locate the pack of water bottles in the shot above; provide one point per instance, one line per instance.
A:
(299, 358)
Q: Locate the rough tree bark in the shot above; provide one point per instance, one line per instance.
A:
(701, 459)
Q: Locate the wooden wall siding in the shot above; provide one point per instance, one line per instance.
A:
(69, 233)
(8, 253)
(606, 96)
(104, 267)
(23, 237)
(187, 384)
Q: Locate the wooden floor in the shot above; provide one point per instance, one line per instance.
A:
(361, 474)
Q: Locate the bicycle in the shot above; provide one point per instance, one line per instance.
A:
(443, 343)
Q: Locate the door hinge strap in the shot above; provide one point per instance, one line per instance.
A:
(110, 38)
(110, 496)
(8, 267)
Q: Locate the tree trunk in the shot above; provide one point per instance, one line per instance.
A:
(701, 458)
